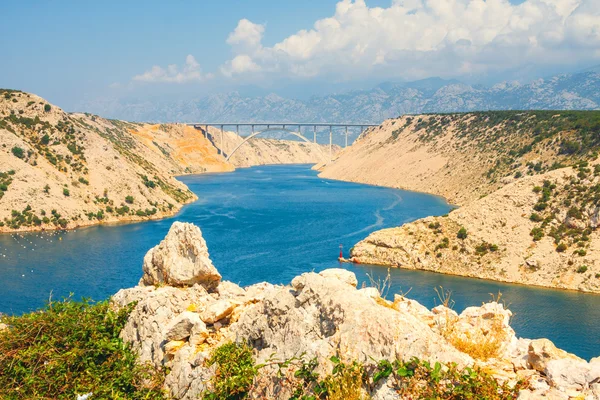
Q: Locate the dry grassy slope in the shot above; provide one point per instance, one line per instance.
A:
(84, 167)
(459, 156)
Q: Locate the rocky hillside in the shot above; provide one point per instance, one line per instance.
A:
(463, 157)
(320, 337)
(525, 216)
(61, 170)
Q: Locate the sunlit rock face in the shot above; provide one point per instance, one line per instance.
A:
(183, 312)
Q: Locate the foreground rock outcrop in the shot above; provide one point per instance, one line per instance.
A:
(320, 315)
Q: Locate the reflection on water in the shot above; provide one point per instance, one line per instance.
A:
(271, 224)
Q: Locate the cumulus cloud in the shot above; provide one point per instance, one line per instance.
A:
(421, 38)
(190, 72)
(412, 39)
(239, 65)
(247, 35)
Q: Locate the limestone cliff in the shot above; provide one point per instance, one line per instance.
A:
(527, 218)
(62, 170)
(320, 316)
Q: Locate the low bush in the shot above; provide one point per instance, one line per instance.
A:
(582, 269)
(462, 233)
(69, 349)
(18, 152)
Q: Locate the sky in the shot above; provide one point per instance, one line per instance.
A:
(75, 51)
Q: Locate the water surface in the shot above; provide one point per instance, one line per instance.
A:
(271, 224)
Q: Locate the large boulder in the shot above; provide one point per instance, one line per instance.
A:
(180, 260)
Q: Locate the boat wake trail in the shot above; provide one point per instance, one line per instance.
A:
(379, 219)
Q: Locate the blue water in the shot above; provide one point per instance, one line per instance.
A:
(271, 224)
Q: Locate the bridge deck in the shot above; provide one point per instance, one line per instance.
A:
(336, 124)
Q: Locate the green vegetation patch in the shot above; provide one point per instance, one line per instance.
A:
(5, 181)
(237, 375)
(72, 348)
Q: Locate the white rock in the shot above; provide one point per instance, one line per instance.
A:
(180, 328)
(217, 310)
(370, 292)
(198, 334)
(341, 274)
(229, 289)
(181, 259)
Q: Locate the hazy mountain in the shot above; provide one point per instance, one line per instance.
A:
(568, 91)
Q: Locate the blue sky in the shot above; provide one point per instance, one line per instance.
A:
(70, 51)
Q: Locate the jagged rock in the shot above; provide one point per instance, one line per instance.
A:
(370, 292)
(198, 334)
(229, 289)
(146, 327)
(217, 310)
(181, 327)
(258, 291)
(180, 260)
(564, 370)
(341, 274)
(568, 373)
(321, 316)
(542, 351)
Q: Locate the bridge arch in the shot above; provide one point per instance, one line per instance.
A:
(254, 134)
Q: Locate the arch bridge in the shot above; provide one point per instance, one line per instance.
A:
(260, 128)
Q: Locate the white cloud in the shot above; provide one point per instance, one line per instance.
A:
(421, 38)
(239, 65)
(246, 35)
(190, 72)
(412, 39)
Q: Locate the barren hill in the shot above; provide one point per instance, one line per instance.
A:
(61, 170)
(528, 183)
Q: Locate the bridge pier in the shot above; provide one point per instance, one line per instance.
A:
(330, 145)
(315, 134)
(346, 136)
(221, 149)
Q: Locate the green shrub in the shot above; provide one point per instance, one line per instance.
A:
(129, 199)
(45, 139)
(47, 107)
(561, 247)
(582, 269)
(234, 374)
(66, 192)
(72, 348)
(537, 234)
(462, 233)
(535, 217)
(18, 152)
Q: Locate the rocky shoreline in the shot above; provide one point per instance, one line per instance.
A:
(183, 312)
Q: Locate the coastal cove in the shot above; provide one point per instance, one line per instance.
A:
(271, 224)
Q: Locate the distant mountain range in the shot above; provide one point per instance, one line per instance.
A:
(565, 92)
